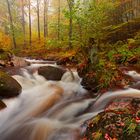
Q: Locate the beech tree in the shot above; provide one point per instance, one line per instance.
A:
(11, 23)
(70, 5)
(30, 24)
(38, 19)
(59, 17)
(23, 20)
(46, 18)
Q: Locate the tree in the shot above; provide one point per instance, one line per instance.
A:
(46, 18)
(70, 5)
(59, 16)
(11, 24)
(38, 19)
(92, 17)
(23, 20)
(30, 26)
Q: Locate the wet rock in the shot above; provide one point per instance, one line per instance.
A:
(134, 75)
(90, 84)
(2, 105)
(63, 61)
(133, 60)
(51, 73)
(3, 58)
(67, 60)
(120, 120)
(122, 105)
(119, 58)
(136, 103)
(136, 86)
(2, 63)
(11, 70)
(19, 61)
(9, 87)
(122, 32)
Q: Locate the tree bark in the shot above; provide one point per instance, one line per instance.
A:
(38, 19)
(46, 18)
(59, 17)
(30, 26)
(11, 24)
(70, 4)
(23, 21)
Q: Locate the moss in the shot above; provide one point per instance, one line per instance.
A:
(9, 87)
(123, 31)
(116, 124)
(3, 55)
(3, 78)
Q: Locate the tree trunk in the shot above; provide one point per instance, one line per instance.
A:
(11, 24)
(30, 26)
(59, 16)
(70, 32)
(46, 18)
(23, 21)
(38, 19)
(70, 4)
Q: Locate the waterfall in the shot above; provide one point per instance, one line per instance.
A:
(51, 110)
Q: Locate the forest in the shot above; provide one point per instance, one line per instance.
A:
(95, 40)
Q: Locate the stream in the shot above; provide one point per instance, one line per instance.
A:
(53, 110)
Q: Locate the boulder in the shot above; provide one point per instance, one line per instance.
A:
(3, 58)
(2, 105)
(136, 85)
(2, 63)
(116, 122)
(9, 87)
(51, 73)
(133, 60)
(90, 84)
(19, 61)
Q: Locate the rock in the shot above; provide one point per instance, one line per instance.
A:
(119, 121)
(67, 60)
(1, 50)
(133, 60)
(11, 70)
(63, 61)
(136, 85)
(2, 105)
(51, 73)
(119, 58)
(90, 84)
(3, 58)
(19, 61)
(89, 81)
(2, 63)
(9, 87)
(121, 32)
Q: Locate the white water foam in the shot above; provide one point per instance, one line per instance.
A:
(50, 110)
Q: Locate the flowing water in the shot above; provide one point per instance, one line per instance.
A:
(51, 110)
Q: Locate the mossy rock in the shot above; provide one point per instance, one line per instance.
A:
(119, 121)
(9, 87)
(123, 31)
(3, 55)
(2, 105)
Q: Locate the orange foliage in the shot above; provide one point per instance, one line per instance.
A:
(5, 41)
